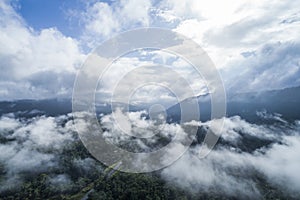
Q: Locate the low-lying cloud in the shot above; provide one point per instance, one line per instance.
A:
(32, 145)
(229, 170)
(35, 145)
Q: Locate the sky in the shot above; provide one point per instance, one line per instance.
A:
(254, 44)
(46, 14)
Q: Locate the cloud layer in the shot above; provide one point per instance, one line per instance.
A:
(252, 42)
(246, 156)
(32, 146)
(231, 170)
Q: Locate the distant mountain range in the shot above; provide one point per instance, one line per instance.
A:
(51, 107)
(285, 102)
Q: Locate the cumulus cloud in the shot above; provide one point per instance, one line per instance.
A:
(149, 77)
(233, 172)
(44, 133)
(31, 146)
(245, 151)
(269, 116)
(7, 123)
(48, 145)
(280, 164)
(28, 56)
(34, 145)
(236, 35)
(230, 30)
(134, 131)
(276, 63)
(211, 174)
(102, 19)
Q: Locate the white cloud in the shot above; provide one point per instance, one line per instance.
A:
(227, 170)
(102, 20)
(277, 63)
(27, 160)
(44, 133)
(26, 54)
(210, 174)
(32, 145)
(60, 180)
(8, 124)
(227, 29)
(281, 164)
(150, 77)
(121, 126)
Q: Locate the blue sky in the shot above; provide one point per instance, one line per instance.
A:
(254, 44)
(46, 14)
(53, 13)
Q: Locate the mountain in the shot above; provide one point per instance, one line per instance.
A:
(30, 108)
(204, 104)
(50, 107)
(285, 102)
